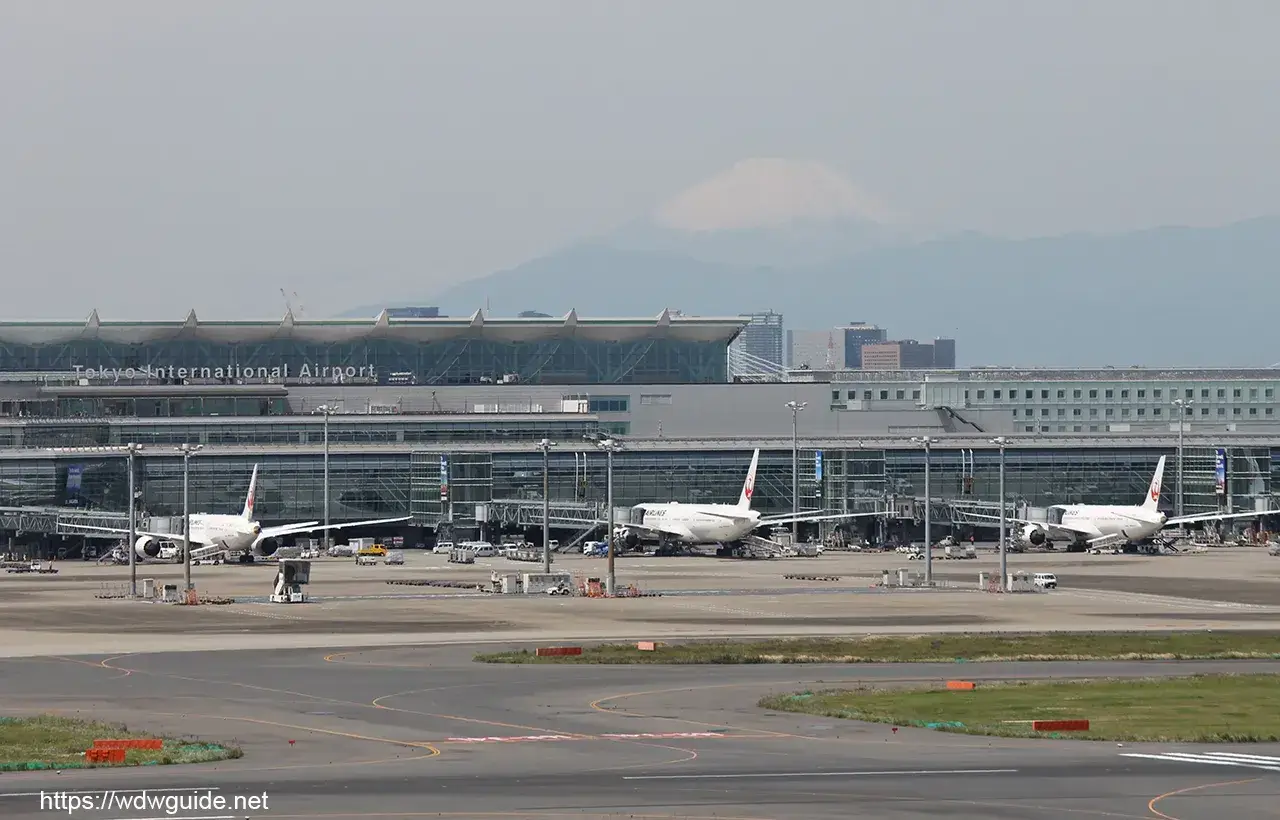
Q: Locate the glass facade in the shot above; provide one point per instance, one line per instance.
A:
(679, 350)
(385, 485)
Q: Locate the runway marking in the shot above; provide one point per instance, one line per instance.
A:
(542, 738)
(413, 744)
(1164, 600)
(1151, 806)
(1264, 762)
(815, 774)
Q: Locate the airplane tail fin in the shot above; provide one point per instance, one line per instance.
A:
(1152, 501)
(749, 486)
(247, 512)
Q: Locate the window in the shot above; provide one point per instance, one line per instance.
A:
(1157, 393)
(1222, 394)
(1029, 394)
(1093, 428)
(1093, 394)
(1124, 394)
(1110, 412)
(1075, 394)
(1270, 411)
(1235, 411)
(915, 395)
(884, 395)
(866, 395)
(1111, 394)
(1075, 412)
(1204, 411)
(1235, 394)
(1125, 412)
(605, 404)
(995, 394)
(1076, 428)
(1062, 394)
(1044, 411)
(1030, 412)
(1253, 392)
(900, 395)
(1061, 412)
(1044, 394)
(982, 394)
(1015, 412)
(1204, 394)
(1029, 429)
(1044, 429)
(1270, 392)
(617, 428)
(1190, 393)
(853, 394)
(1142, 411)
(1253, 411)
(1093, 412)
(1142, 394)
(1222, 411)
(835, 395)
(1156, 412)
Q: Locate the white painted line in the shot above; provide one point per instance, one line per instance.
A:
(1275, 761)
(1210, 761)
(115, 791)
(816, 774)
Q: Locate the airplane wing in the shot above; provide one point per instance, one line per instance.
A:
(1191, 519)
(168, 536)
(787, 519)
(994, 521)
(315, 526)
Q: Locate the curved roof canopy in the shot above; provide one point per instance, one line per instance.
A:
(405, 329)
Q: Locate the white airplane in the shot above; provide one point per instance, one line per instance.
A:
(1089, 525)
(708, 523)
(234, 534)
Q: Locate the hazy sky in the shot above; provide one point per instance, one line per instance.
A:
(156, 156)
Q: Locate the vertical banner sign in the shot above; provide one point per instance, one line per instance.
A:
(817, 470)
(444, 478)
(1220, 472)
(75, 476)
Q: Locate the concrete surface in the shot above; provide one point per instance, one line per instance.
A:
(424, 732)
(1224, 589)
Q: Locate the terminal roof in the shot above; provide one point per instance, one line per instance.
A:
(403, 329)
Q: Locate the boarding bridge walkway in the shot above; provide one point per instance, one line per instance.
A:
(56, 520)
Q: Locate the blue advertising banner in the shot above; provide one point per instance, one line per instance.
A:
(1220, 472)
(444, 478)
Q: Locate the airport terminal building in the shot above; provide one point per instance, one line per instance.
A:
(439, 418)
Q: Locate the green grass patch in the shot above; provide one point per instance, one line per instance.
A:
(1202, 708)
(51, 742)
(927, 648)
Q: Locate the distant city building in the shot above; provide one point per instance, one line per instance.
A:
(532, 314)
(413, 313)
(817, 349)
(857, 334)
(761, 341)
(907, 354)
(944, 354)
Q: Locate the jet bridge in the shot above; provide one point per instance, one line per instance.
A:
(55, 520)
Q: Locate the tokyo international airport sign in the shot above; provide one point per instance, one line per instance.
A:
(334, 373)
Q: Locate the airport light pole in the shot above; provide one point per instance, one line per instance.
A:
(187, 451)
(1181, 404)
(545, 446)
(610, 446)
(795, 407)
(926, 442)
(1004, 568)
(327, 410)
(133, 449)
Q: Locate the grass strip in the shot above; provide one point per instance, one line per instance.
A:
(1200, 708)
(52, 742)
(1054, 646)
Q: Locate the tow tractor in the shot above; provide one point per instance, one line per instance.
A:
(42, 567)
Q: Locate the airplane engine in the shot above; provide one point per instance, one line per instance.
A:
(1034, 535)
(631, 539)
(147, 547)
(266, 547)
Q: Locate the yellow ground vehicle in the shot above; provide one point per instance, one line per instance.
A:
(376, 550)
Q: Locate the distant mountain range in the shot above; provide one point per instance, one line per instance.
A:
(1165, 297)
(1162, 297)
